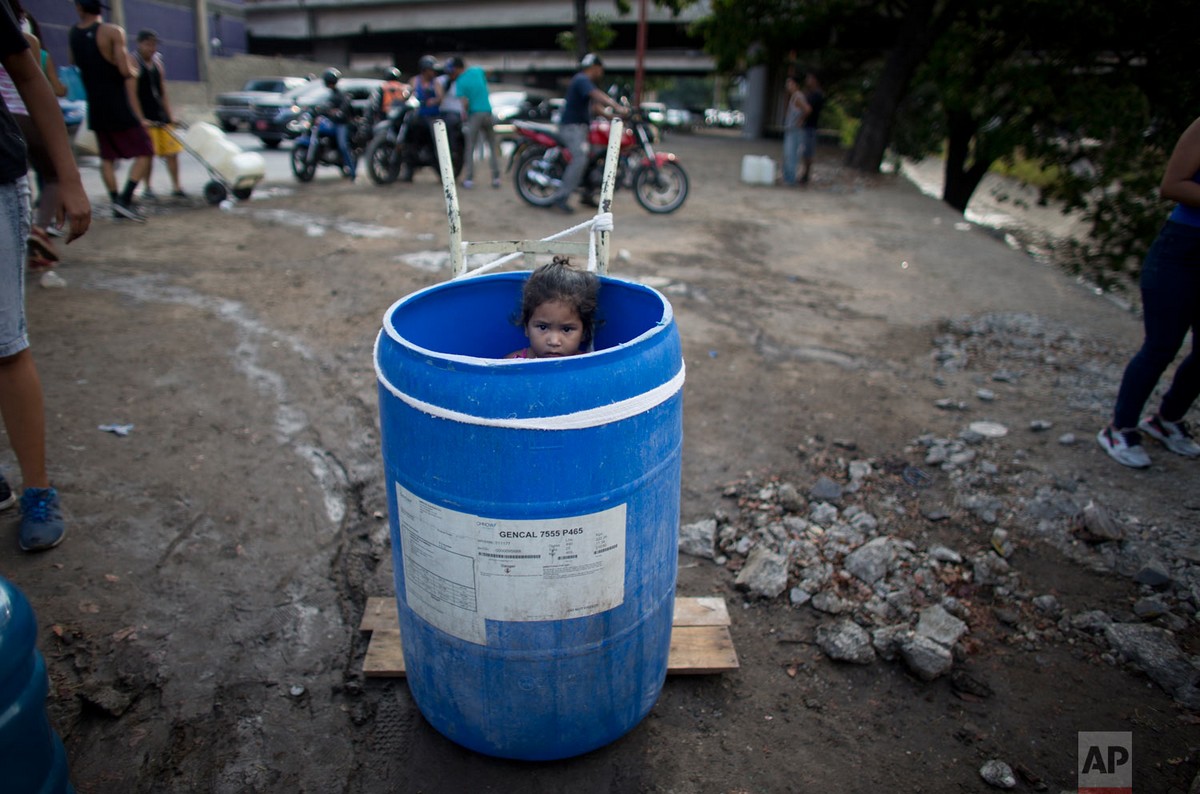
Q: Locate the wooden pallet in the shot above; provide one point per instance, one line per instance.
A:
(700, 638)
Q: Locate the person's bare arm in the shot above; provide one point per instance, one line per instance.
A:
(1177, 183)
(50, 71)
(601, 98)
(111, 41)
(134, 103)
(165, 99)
(43, 109)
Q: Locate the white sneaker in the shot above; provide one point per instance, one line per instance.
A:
(1175, 436)
(468, 184)
(51, 280)
(1124, 446)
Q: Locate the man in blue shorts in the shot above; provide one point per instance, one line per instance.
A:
(20, 388)
(98, 49)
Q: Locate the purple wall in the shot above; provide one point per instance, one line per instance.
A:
(175, 26)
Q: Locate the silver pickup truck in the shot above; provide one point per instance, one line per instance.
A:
(235, 109)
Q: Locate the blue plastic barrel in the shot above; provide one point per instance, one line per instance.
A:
(534, 512)
(32, 758)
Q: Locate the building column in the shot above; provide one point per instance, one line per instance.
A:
(203, 48)
(755, 106)
(116, 13)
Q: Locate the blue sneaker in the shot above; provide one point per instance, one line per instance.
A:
(41, 520)
(7, 497)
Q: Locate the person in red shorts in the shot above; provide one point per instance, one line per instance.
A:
(98, 49)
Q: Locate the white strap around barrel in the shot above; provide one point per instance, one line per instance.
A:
(578, 420)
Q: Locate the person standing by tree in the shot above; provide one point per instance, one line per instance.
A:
(21, 402)
(156, 109)
(814, 100)
(1170, 285)
(573, 125)
(793, 129)
(98, 49)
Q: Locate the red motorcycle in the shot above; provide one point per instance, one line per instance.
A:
(658, 182)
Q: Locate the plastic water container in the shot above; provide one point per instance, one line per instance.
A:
(223, 155)
(758, 170)
(534, 508)
(32, 758)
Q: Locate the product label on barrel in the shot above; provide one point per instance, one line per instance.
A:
(461, 570)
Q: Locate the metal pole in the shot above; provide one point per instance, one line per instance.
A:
(640, 70)
(608, 186)
(457, 263)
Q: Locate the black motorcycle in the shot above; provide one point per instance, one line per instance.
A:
(403, 142)
(317, 144)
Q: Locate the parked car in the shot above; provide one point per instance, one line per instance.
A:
(234, 108)
(518, 105)
(656, 112)
(679, 119)
(277, 119)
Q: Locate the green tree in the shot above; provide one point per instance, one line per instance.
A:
(1095, 92)
(594, 33)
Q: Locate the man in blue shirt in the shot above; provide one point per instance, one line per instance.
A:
(573, 125)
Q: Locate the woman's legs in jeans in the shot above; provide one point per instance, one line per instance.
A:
(1170, 285)
(20, 388)
(343, 142)
(791, 155)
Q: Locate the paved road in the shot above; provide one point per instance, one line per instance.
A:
(194, 175)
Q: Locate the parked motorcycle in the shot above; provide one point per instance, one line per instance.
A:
(395, 136)
(658, 181)
(317, 144)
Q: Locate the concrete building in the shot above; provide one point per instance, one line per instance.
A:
(190, 32)
(512, 39)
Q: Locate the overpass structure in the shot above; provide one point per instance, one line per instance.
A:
(514, 39)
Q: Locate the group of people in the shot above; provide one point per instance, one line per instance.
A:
(559, 304)
(458, 95)
(134, 126)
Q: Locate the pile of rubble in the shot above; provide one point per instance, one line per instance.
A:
(883, 596)
(843, 546)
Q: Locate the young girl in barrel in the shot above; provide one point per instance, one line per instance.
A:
(558, 311)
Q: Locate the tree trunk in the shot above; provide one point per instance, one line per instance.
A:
(960, 182)
(922, 25)
(581, 29)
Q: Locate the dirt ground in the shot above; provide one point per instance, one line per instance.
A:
(200, 621)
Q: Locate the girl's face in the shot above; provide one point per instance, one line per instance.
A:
(554, 329)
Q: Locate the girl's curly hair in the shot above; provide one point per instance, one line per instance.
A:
(558, 280)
